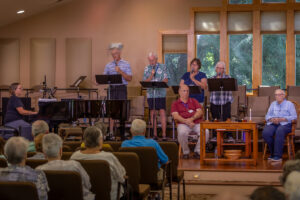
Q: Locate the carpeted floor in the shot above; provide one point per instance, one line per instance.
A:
(188, 195)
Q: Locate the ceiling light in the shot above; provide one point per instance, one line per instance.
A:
(20, 12)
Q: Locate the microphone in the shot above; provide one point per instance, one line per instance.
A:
(219, 74)
(153, 67)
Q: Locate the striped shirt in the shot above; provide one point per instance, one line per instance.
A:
(220, 99)
(124, 66)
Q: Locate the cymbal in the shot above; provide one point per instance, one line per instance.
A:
(37, 88)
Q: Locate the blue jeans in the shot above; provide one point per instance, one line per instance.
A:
(274, 136)
(23, 127)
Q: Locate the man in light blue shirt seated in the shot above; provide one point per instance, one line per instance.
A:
(138, 130)
(279, 119)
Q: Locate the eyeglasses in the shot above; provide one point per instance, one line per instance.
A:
(279, 94)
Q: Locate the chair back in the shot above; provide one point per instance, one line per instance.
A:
(137, 106)
(99, 173)
(296, 101)
(171, 150)
(66, 155)
(64, 185)
(73, 145)
(259, 105)
(149, 163)
(107, 148)
(33, 163)
(268, 91)
(12, 190)
(131, 163)
(115, 145)
(235, 108)
(3, 163)
(293, 90)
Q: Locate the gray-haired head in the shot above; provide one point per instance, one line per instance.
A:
(92, 136)
(152, 54)
(221, 64)
(52, 144)
(292, 186)
(288, 167)
(279, 91)
(39, 126)
(15, 150)
(138, 127)
(116, 45)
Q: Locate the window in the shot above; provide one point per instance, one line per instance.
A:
(297, 42)
(208, 50)
(240, 1)
(274, 1)
(240, 58)
(177, 65)
(273, 59)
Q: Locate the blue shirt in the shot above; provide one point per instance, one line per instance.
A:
(12, 113)
(189, 82)
(124, 66)
(141, 141)
(161, 73)
(284, 110)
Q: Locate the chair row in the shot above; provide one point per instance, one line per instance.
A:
(141, 169)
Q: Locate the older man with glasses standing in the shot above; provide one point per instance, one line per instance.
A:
(279, 119)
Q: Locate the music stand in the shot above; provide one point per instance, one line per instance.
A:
(192, 89)
(109, 79)
(222, 84)
(78, 81)
(154, 85)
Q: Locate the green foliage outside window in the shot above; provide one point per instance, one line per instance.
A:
(176, 64)
(208, 51)
(273, 59)
(240, 1)
(240, 63)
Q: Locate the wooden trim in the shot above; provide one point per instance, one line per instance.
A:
(239, 32)
(174, 51)
(273, 32)
(207, 32)
(256, 51)
(206, 9)
(191, 49)
(224, 39)
(160, 47)
(290, 50)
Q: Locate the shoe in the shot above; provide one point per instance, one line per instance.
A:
(185, 156)
(270, 158)
(164, 139)
(196, 155)
(276, 159)
(155, 138)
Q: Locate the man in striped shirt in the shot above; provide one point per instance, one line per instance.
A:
(118, 66)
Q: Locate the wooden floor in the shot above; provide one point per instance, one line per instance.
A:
(262, 165)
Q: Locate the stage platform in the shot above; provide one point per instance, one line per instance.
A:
(213, 178)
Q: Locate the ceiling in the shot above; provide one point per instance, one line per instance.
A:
(9, 8)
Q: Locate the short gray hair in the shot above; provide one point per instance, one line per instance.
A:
(152, 54)
(52, 144)
(116, 45)
(292, 186)
(288, 167)
(138, 127)
(280, 90)
(39, 126)
(92, 136)
(222, 63)
(15, 150)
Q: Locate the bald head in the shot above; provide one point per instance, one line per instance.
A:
(183, 92)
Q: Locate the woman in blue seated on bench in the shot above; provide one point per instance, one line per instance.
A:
(15, 111)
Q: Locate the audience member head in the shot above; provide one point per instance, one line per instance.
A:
(38, 142)
(288, 167)
(2, 143)
(102, 127)
(39, 126)
(279, 95)
(15, 150)
(15, 89)
(267, 193)
(183, 92)
(138, 127)
(292, 186)
(52, 146)
(115, 50)
(152, 58)
(93, 137)
(220, 68)
(229, 196)
(195, 65)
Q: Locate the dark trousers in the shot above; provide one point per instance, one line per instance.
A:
(274, 136)
(216, 111)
